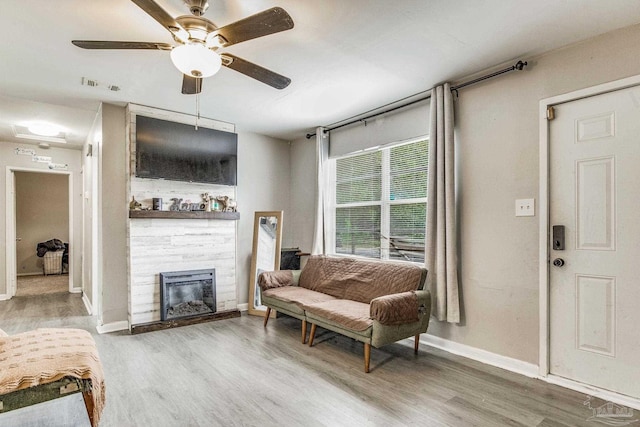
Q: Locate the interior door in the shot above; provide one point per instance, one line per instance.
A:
(595, 272)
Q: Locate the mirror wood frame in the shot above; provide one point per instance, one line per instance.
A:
(253, 279)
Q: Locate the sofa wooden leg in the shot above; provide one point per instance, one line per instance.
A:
(304, 331)
(312, 334)
(416, 343)
(88, 403)
(367, 357)
(266, 316)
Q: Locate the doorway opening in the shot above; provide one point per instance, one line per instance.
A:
(39, 232)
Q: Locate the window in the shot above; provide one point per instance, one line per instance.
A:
(381, 202)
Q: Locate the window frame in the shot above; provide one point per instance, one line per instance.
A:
(385, 201)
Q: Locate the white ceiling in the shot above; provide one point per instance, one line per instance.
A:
(343, 57)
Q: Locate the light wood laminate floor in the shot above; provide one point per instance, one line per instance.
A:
(237, 373)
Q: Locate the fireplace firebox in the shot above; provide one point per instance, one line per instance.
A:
(187, 293)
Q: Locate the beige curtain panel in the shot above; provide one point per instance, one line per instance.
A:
(318, 246)
(441, 245)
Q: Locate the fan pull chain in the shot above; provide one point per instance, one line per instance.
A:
(197, 109)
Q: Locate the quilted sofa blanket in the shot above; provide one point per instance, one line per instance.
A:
(374, 302)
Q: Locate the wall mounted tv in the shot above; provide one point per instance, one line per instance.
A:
(179, 152)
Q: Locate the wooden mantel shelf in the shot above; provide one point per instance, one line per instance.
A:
(231, 216)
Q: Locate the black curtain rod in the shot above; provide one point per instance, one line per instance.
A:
(517, 66)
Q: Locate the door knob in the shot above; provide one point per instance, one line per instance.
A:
(558, 262)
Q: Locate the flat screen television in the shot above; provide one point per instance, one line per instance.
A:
(179, 152)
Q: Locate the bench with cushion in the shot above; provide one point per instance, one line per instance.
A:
(376, 302)
(45, 364)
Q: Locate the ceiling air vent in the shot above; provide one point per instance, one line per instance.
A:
(89, 82)
(94, 83)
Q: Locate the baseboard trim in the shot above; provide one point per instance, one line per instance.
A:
(524, 368)
(122, 325)
(75, 290)
(588, 390)
(29, 274)
(514, 365)
(4, 297)
(87, 304)
(243, 307)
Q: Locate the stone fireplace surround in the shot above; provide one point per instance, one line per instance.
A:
(175, 244)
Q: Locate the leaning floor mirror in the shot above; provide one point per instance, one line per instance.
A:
(267, 238)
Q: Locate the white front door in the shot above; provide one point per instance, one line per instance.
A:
(594, 189)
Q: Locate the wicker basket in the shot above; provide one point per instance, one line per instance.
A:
(53, 262)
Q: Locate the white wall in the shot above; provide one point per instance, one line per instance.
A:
(303, 185)
(8, 157)
(90, 268)
(114, 211)
(497, 131)
(263, 185)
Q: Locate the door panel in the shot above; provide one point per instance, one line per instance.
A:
(594, 169)
(595, 204)
(595, 323)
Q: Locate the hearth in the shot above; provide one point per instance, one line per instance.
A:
(189, 293)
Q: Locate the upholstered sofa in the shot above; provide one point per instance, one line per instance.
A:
(376, 302)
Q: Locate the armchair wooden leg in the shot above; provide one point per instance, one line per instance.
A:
(88, 403)
(416, 343)
(367, 357)
(312, 334)
(266, 316)
(304, 331)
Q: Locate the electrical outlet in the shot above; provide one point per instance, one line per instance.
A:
(525, 207)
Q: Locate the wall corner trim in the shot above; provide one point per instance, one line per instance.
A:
(87, 304)
(4, 297)
(121, 325)
(514, 365)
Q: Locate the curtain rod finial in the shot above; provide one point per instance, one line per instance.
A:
(520, 65)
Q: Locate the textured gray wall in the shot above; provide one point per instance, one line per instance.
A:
(263, 185)
(114, 211)
(497, 131)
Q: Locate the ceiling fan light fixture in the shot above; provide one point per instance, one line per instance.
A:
(196, 60)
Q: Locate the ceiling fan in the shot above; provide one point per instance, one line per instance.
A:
(199, 41)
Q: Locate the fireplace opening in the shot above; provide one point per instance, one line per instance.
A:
(187, 293)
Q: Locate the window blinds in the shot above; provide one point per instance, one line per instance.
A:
(380, 209)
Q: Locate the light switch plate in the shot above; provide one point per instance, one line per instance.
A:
(525, 207)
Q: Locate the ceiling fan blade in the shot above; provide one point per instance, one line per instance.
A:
(159, 14)
(96, 44)
(261, 24)
(255, 71)
(191, 85)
